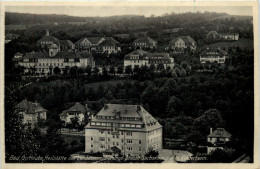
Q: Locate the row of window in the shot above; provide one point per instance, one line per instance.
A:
(122, 125)
(121, 118)
(46, 42)
(128, 133)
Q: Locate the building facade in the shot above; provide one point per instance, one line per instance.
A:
(145, 43)
(130, 128)
(230, 36)
(31, 112)
(143, 58)
(183, 42)
(213, 55)
(99, 44)
(45, 63)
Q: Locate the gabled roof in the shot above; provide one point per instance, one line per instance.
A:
(53, 46)
(63, 54)
(229, 34)
(19, 54)
(30, 107)
(49, 39)
(213, 52)
(111, 39)
(145, 39)
(139, 52)
(220, 132)
(76, 108)
(212, 33)
(107, 43)
(127, 111)
(187, 39)
(66, 43)
(92, 40)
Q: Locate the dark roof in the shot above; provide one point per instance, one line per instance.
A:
(107, 43)
(30, 107)
(76, 108)
(139, 52)
(127, 111)
(159, 56)
(220, 132)
(66, 43)
(232, 34)
(18, 53)
(213, 52)
(92, 40)
(53, 46)
(111, 39)
(212, 33)
(187, 39)
(63, 54)
(145, 39)
(113, 149)
(49, 39)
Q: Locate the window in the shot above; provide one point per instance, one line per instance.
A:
(122, 140)
(101, 138)
(91, 145)
(91, 138)
(140, 142)
(140, 149)
(117, 143)
(108, 132)
(129, 133)
(108, 139)
(117, 136)
(130, 141)
(122, 133)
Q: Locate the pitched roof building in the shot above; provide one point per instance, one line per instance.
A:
(128, 127)
(145, 42)
(183, 42)
(143, 58)
(213, 55)
(31, 112)
(78, 111)
(48, 40)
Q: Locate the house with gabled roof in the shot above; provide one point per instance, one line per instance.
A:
(31, 112)
(144, 42)
(143, 58)
(212, 34)
(128, 127)
(213, 55)
(47, 41)
(218, 138)
(67, 45)
(79, 111)
(183, 42)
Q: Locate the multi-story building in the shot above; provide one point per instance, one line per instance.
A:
(78, 111)
(43, 62)
(230, 36)
(183, 42)
(145, 43)
(213, 55)
(213, 34)
(47, 41)
(130, 128)
(143, 58)
(67, 45)
(31, 112)
(99, 44)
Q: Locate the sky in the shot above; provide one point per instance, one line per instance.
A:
(126, 10)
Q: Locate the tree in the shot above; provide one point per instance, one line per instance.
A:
(112, 70)
(184, 64)
(211, 118)
(96, 71)
(177, 71)
(160, 67)
(151, 153)
(56, 70)
(128, 70)
(173, 106)
(136, 69)
(120, 69)
(88, 70)
(183, 73)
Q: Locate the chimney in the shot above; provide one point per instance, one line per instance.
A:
(47, 33)
(105, 106)
(210, 130)
(138, 108)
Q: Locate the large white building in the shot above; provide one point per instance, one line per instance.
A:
(43, 62)
(130, 128)
(143, 58)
